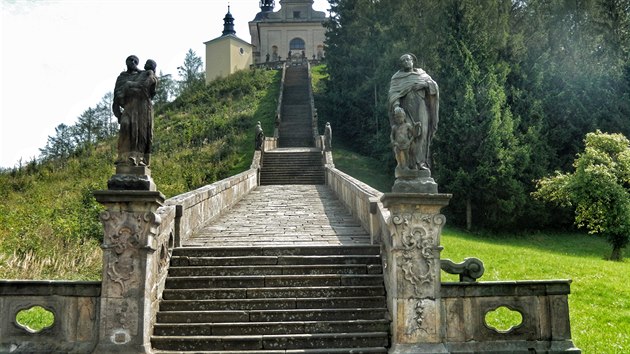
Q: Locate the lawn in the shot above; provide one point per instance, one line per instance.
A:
(599, 302)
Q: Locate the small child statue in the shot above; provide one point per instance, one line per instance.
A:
(402, 136)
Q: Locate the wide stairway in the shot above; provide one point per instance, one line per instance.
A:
(292, 166)
(295, 128)
(286, 270)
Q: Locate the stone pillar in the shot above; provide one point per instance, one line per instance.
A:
(129, 242)
(412, 268)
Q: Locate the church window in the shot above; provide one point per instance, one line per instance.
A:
(297, 44)
(296, 14)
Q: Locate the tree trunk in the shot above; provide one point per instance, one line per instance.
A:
(468, 214)
(616, 253)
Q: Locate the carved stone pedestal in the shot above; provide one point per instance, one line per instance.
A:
(412, 265)
(131, 224)
(414, 181)
(128, 177)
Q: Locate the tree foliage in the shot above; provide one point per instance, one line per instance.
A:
(598, 189)
(521, 82)
(191, 73)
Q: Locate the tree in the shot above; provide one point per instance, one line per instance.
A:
(191, 71)
(599, 189)
(165, 90)
(60, 146)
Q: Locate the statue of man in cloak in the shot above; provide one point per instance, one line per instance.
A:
(414, 92)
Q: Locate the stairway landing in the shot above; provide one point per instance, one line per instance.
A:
(283, 215)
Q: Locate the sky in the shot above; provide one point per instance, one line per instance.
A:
(60, 57)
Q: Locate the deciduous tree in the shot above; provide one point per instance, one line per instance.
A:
(598, 189)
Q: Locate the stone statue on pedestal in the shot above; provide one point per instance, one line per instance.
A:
(327, 137)
(414, 98)
(259, 137)
(133, 106)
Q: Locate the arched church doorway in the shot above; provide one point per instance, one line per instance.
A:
(297, 47)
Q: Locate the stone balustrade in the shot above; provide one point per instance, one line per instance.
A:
(359, 198)
(74, 306)
(201, 205)
(429, 316)
(542, 305)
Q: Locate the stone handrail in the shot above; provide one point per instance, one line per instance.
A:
(74, 305)
(314, 123)
(276, 129)
(359, 198)
(198, 207)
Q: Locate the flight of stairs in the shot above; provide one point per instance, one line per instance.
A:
(292, 167)
(313, 299)
(295, 128)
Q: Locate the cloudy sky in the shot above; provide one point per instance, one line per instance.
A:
(60, 57)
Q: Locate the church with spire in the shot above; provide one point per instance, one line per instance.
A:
(295, 30)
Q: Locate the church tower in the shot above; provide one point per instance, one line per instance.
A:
(228, 53)
(295, 28)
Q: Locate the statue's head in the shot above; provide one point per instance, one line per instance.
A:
(399, 116)
(132, 62)
(407, 60)
(150, 65)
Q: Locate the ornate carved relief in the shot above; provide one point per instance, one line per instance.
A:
(125, 234)
(415, 237)
(418, 317)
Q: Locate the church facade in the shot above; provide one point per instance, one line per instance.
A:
(296, 28)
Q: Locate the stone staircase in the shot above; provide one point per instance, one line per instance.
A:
(295, 129)
(292, 166)
(285, 299)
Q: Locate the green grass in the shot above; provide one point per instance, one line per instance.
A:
(35, 318)
(368, 170)
(599, 302)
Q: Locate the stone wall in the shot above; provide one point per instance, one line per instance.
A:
(74, 305)
(359, 198)
(198, 207)
(543, 306)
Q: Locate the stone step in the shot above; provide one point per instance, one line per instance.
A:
(288, 351)
(257, 281)
(278, 292)
(274, 342)
(261, 328)
(221, 316)
(273, 303)
(274, 260)
(271, 180)
(282, 251)
(276, 270)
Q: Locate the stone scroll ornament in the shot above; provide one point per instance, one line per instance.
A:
(416, 240)
(413, 106)
(133, 106)
(123, 236)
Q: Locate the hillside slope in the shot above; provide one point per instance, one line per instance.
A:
(49, 227)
